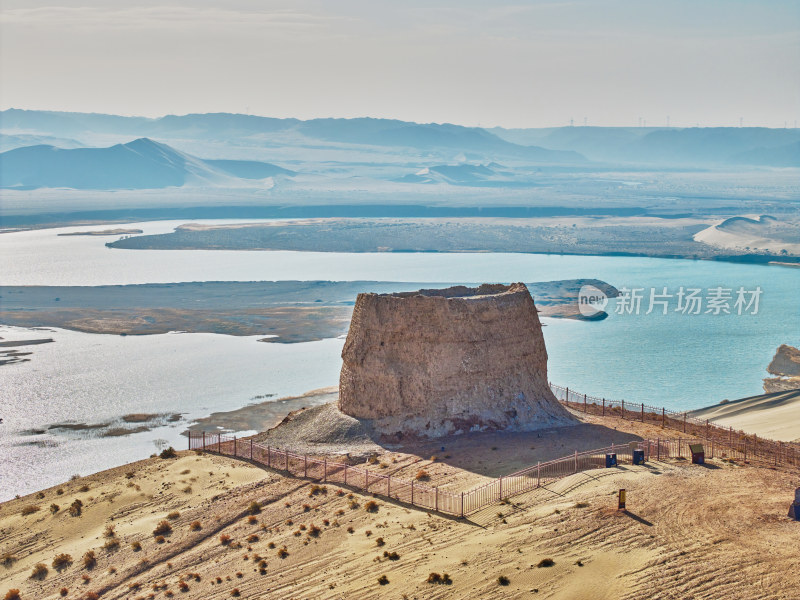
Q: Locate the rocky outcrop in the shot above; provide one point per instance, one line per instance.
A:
(437, 362)
(786, 365)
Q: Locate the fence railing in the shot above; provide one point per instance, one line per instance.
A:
(735, 444)
(723, 441)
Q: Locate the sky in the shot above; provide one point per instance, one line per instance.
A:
(528, 63)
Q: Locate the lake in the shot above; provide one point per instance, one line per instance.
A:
(682, 361)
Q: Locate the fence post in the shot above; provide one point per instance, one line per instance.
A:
(623, 409)
(663, 417)
(679, 448)
(576, 461)
(305, 465)
(366, 479)
(462, 505)
(436, 495)
(251, 448)
(501, 488)
(566, 396)
(324, 470)
(585, 410)
(204, 440)
(604, 407)
(412, 491)
(234, 445)
(658, 449)
(389, 486)
(287, 462)
(745, 448)
(345, 474)
(539, 474)
(219, 443)
(642, 412)
(269, 456)
(684, 422)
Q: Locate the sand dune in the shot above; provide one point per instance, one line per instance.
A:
(752, 234)
(775, 416)
(718, 531)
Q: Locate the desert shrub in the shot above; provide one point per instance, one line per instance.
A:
(252, 519)
(235, 592)
(162, 528)
(160, 539)
(62, 561)
(83, 488)
(89, 560)
(63, 592)
(8, 559)
(39, 571)
(239, 575)
(130, 475)
(29, 509)
(383, 580)
(252, 538)
(371, 506)
(187, 489)
(391, 555)
(76, 508)
(174, 515)
(283, 552)
(111, 544)
(434, 458)
(503, 580)
(91, 596)
(40, 495)
(195, 526)
(271, 545)
(546, 562)
(109, 531)
(368, 532)
(340, 493)
(59, 491)
(183, 586)
(136, 546)
(443, 579)
(54, 508)
(379, 542)
(168, 453)
(581, 505)
(12, 594)
(306, 508)
(422, 475)
(86, 579)
(224, 539)
(316, 490)
(354, 504)
(313, 530)
(350, 529)
(254, 508)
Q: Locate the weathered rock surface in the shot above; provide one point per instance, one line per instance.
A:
(786, 365)
(436, 362)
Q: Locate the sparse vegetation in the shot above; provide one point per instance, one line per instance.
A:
(225, 539)
(391, 555)
(316, 490)
(89, 560)
(313, 530)
(371, 506)
(12, 594)
(422, 475)
(252, 538)
(254, 508)
(503, 580)
(109, 531)
(443, 579)
(54, 508)
(39, 572)
(136, 546)
(162, 528)
(283, 552)
(76, 508)
(383, 580)
(29, 509)
(160, 539)
(63, 592)
(62, 561)
(84, 488)
(195, 526)
(379, 542)
(8, 559)
(546, 562)
(168, 453)
(111, 544)
(174, 515)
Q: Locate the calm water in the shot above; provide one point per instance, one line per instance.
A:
(681, 361)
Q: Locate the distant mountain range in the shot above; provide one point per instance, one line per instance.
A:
(73, 150)
(140, 164)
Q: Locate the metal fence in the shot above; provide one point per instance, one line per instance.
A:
(725, 442)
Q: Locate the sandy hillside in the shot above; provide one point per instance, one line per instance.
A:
(775, 416)
(719, 531)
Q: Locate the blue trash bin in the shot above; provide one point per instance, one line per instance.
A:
(611, 460)
(638, 457)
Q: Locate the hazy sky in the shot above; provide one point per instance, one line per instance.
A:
(528, 63)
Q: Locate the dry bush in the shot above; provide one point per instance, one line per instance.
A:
(162, 528)
(109, 531)
(306, 508)
(252, 538)
(111, 544)
(183, 586)
(379, 542)
(235, 592)
(314, 531)
(84, 488)
(391, 555)
(76, 508)
(283, 552)
(546, 562)
(383, 580)
(239, 574)
(12, 594)
(86, 579)
(89, 560)
(195, 526)
(371, 506)
(168, 453)
(62, 561)
(225, 539)
(316, 490)
(340, 492)
(503, 580)
(29, 509)
(271, 545)
(130, 475)
(54, 508)
(59, 491)
(174, 515)
(187, 489)
(354, 504)
(91, 596)
(252, 519)
(160, 539)
(350, 529)
(443, 579)
(422, 475)
(39, 571)
(63, 592)
(136, 546)
(8, 559)
(254, 508)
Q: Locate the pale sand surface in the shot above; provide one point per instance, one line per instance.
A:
(762, 234)
(775, 416)
(719, 531)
